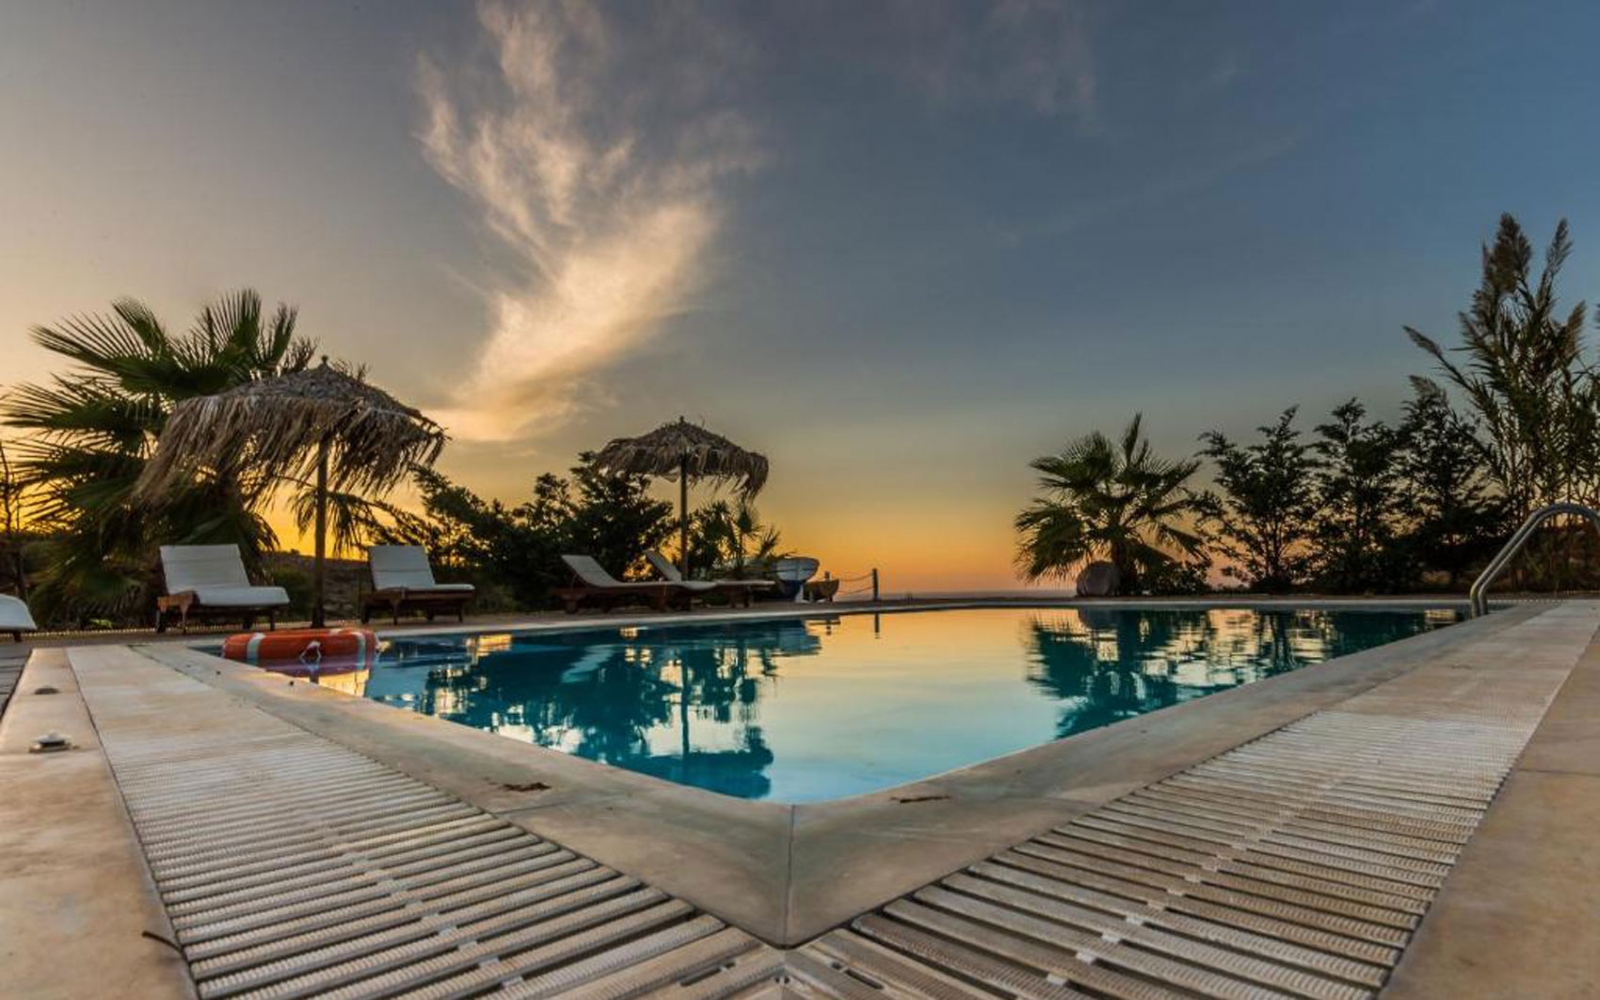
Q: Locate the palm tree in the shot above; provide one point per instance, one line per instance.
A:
(731, 538)
(1116, 501)
(94, 429)
(1526, 374)
(325, 430)
(11, 525)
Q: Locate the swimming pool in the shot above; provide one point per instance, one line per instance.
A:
(807, 709)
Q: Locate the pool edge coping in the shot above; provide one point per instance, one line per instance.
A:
(780, 612)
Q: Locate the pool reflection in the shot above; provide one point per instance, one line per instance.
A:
(1106, 665)
(633, 698)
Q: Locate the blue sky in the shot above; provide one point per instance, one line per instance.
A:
(901, 247)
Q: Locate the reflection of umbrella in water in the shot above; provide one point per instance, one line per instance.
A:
(701, 658)
(605, 700)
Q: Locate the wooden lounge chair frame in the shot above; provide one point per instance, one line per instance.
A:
(740, 593)
(658, 595)
(399, 600)
(429, 597)
(186, 605)
(578, 592)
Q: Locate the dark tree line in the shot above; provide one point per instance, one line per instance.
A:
(1355, 504)
(82, 548)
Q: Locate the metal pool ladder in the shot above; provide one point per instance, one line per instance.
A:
(1479, 594)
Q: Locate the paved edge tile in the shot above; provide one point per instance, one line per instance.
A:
(1520, 915)
(79, 915)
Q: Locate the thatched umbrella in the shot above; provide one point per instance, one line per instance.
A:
(324, 424)
(685, 451)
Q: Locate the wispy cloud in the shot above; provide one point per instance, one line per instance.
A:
(596, 151)
(1181, 179)
(1031, 52)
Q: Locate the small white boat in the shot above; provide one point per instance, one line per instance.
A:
(14, 617)
(792, 574)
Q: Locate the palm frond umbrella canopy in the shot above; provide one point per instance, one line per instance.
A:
(685, 452)
(324, 425)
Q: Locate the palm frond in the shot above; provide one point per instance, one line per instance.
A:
(353, 520)
(1054, 541)
(92, 430)
(1113, 500)
(282, 423)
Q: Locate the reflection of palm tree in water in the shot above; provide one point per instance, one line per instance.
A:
(1265, 644)
(714, 672)
(614, 708)
(1108, 665)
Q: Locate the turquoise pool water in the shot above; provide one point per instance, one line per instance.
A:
(834, 705)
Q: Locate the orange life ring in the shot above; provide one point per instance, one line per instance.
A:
(331, 649)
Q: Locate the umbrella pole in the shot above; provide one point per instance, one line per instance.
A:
(683, 715)
(318, 614)
(683, 516)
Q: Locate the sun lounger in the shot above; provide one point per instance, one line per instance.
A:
(592, 583)
(209, 580)
(736, 591)
(14, 617)
(402, 580)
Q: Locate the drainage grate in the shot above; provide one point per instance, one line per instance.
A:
(1297, 865)
(10, 675)
(293, 867)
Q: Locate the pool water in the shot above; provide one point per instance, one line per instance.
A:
(802, 710)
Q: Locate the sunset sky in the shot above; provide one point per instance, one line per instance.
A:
(900, 247)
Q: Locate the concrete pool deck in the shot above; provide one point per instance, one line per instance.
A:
(771, 877)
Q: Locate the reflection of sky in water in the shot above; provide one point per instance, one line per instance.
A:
(803, 710)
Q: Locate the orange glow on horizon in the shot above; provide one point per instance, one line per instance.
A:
(915, 551)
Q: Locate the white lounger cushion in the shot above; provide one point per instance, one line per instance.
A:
(215, 575)
(405, 567)
(664, 566)
(594, 575)
(14, 616)
(241, 597)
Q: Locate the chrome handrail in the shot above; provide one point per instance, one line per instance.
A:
(1478, 596)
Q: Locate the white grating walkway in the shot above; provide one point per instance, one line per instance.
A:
(1297, 865)
(293, 867)
(11, 664)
